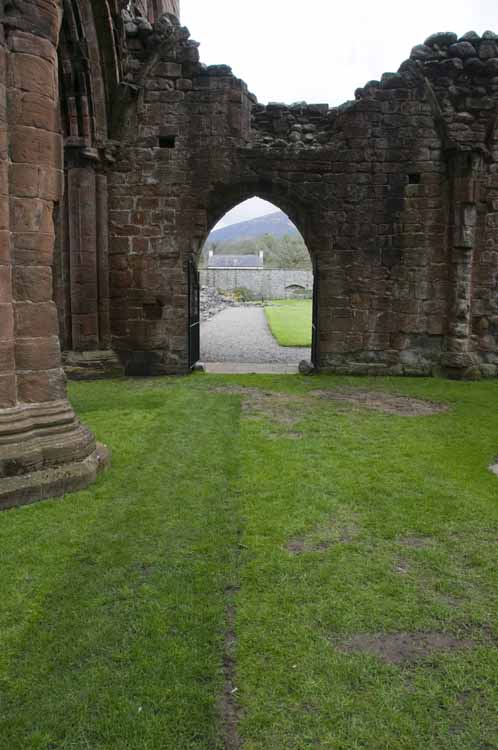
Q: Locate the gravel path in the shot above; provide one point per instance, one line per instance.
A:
(241, 334)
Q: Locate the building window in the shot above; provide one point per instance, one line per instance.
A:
(167, 141)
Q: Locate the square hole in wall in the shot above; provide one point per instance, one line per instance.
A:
(167, 141)
(414, 178)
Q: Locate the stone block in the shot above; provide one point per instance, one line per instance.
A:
(4, 179)
(126, 230)
(33, 73)
(7, 360)
(7, 391)
(4, 144)
(51, 184)
(3, 66)
(140, 244)
(6, 321)
(85, 326)
(5, 283)
(32, 45)
(4, 247)
(168, 70)
(33, 320)
(119, 245)
(36, 147)
(37, 354)
(32, 283)
(32, 215)
(24, 181)
(4, 214)
(39, 387)
(34, 110)
(33, 248)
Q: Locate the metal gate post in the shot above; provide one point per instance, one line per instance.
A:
(315, 354)
(194, 317)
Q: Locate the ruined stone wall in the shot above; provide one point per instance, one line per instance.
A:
(164, 173)
(267, 284)
(372, 171)
(358, 182)
(462, 80)
(390, 193)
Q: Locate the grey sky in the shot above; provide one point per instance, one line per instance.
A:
(322, 50)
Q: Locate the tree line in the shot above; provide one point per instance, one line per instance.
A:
(288, 251)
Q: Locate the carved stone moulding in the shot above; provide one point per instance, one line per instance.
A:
(45, 452)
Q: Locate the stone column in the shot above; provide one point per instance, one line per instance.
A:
(103, 261)
(44, 450)
(81, 200)
(86, 255)
(7, 365)
(465, 167)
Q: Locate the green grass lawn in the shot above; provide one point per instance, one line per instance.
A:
(297, 522)
(290, 321)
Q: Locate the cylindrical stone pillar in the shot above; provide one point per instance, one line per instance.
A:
(44, 450)
(36, 176)
(7, 365)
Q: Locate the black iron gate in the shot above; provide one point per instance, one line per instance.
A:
(194, 317)
(314, 338)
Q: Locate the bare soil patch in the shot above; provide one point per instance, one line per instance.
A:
(280, 408)
(403, 648)
(401, 567)
(323, 538)
(228, 704)
(417, 542)
(286, 436)
(287, 409)
(389, 403)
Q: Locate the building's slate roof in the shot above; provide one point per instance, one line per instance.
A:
(235, 261)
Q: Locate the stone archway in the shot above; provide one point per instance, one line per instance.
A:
(240, 336)
(365, 178)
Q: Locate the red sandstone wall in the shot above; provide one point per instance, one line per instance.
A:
(485, 271)
(384, 190)
(341, 175)
(35, 186)
(7, 362)
(44, 450)
(401, 225)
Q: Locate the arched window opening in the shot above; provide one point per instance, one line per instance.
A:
(256, 292)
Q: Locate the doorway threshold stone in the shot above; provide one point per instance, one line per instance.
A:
(251, 368)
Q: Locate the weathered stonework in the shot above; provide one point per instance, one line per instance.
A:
(259, 282)
(119, 151)
(44, 449)
(392, 193)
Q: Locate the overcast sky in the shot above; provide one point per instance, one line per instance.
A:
(322, 50)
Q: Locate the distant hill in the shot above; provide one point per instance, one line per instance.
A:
(276, 224)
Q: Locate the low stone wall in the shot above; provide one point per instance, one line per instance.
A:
(263, 284)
